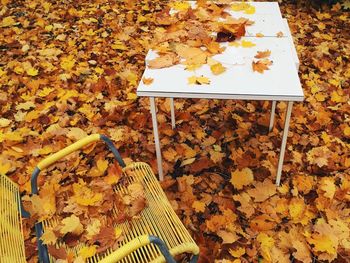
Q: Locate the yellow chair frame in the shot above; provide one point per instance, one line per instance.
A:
(156, 236)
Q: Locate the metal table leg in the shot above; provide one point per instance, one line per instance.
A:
(272, 116)
(284, 142)
(172, 110)
(156, 138)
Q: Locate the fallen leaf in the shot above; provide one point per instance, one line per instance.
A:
(241, 178)
(147, 81)
(198, 80)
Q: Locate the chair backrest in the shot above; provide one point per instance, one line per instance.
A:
(11, 236)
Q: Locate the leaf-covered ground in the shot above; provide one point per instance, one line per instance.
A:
(70, 68)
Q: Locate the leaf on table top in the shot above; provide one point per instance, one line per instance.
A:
(247, 44)
(261, 65)
(163, 61)
(198, 80)
(147, 81)
(279, 34)
(263, 54)
(217, 69)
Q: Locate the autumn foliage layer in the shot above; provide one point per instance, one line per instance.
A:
(71, 68)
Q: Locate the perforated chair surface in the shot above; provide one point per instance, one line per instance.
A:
(157, 219)
(11, 237)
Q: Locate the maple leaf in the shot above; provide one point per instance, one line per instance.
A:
(237, 253)
(247, 44)
(93, 228)
(49, 237)
(114, 174)
(217, 69)
(72, 225)
(198, 206)
(147, 81)
(227, 237)
(241, 178)
(87, 251)
(263, 54)
(266, 243)
(262, 191)
(198, 80)
(261, 65)
(76, 133)
(32, 72)
(164, 61)
(8, 21)
(67, 63)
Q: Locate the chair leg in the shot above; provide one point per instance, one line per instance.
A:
(284, 142)
(172, 111)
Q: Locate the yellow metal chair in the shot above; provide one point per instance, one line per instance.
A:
(157, 236)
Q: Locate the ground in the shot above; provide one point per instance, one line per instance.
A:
(69, 69)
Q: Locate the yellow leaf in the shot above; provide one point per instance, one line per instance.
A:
(76, 133)
(237, 252)
(247, 44)
(4, 122)
(67, 63)
(8, 21)
(132, 96)
(4, 168)
(118, 45)
(250, 10)
(240, 6)
(320, 97)
(99, 70)
(102, 165)
(198, 206)
(87, 252)
(241, 178)
(49, 237)
(198, 80)
(328, 186)
(336, 97)
(118, 231)
(347, 131)
(188, 161)
(93, 228)
(180, 5)
(32, 72)
(266, 243)
(323, 243)
(217, 69)
(71, 225)
(296, 208)
(45, 91)
(85, 196)
(18, 70)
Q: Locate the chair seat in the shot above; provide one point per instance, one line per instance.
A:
(158, 218)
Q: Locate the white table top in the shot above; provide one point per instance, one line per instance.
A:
(280, 82)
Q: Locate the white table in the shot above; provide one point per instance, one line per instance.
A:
(280, 83)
